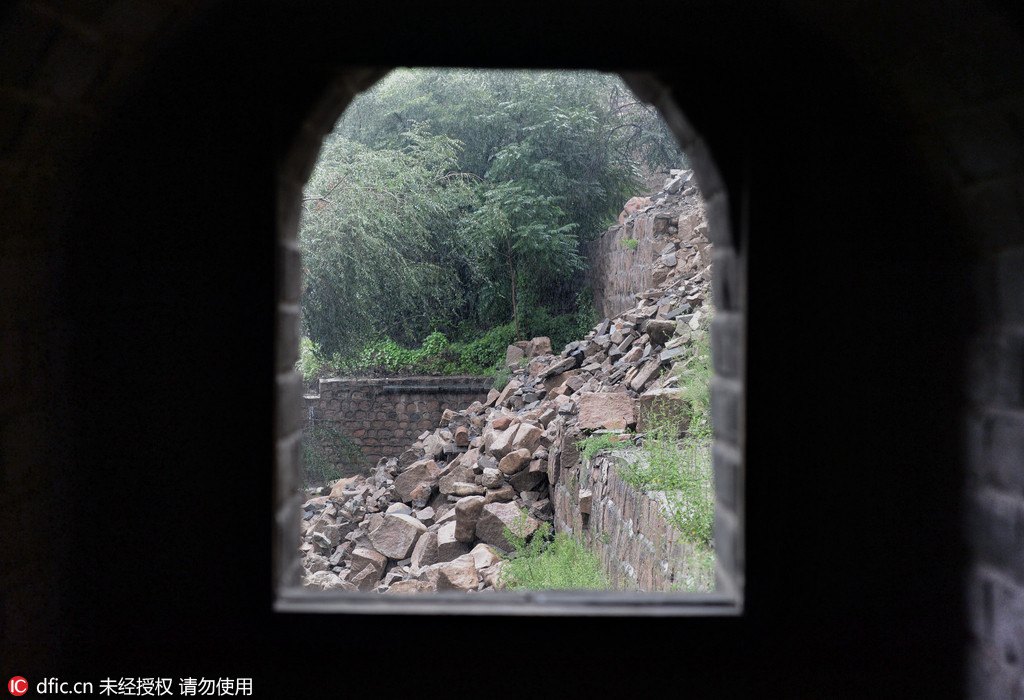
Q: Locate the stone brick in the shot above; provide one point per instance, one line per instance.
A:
(725, 283)
(994, 520)
(396, 536)
(997, 210)
(32, 34)
(726, 347)
(425, 471)
(1010, 279)
(728, 476)
(496, 517)
(725, 409)
(990, 679)
(606, 410)
(983, 143)
(467, 513)
(729, 559)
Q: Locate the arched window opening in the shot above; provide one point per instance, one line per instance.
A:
(507, 311)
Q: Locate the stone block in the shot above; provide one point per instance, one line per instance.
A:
(396, 536)
(612, 411)
(496, 517)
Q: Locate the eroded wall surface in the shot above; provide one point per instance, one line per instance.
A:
(382, 417)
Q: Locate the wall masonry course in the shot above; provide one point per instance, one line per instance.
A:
(384, 416)
(639, 549)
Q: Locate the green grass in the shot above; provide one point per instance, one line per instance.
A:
(683, 472)
(699, 573)
(309, 364)
(547, 562)
(474, 352)
(631, 243)
(694, 378)
(502, 377)
(590, 446)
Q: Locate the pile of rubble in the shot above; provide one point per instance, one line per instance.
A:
(436, 518)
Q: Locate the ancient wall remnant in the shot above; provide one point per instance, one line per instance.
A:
(638, 252)
(638, 547)
(384, 416)
(424, 519)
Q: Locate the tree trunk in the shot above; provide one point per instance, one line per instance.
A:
(515, 304)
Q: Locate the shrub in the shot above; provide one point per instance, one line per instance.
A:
(698, 572)
(310, 364)
(631, 243)
(564, 328)
(547, 562)
(501, 378)
(680, 469)
(487, 351)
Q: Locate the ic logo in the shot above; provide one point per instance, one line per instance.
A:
(17, 685)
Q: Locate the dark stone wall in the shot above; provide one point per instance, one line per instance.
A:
(383, 417)
(872, 157)
(616, 272)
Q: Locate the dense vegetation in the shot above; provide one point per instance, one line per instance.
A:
(447, 213)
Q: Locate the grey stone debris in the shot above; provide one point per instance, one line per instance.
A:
(434, 517)
(396, 535)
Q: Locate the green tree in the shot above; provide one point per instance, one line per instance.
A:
(457, 200)
(373, 266)
(600, 135)
(518, 238)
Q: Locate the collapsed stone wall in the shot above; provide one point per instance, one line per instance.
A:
(639, 251)
(638, 547)
(434, 517)
(382, 417)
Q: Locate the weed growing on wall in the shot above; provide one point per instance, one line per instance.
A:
(682, 469)
(683, 472)
(694, 377)
(593, 444)
(546, 562)
(309, 365)
(631, 243)
(698, 572)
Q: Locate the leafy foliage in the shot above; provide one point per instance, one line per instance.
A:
(436, 355)
(310, 364)
(697, 575)
(694, 376)
(459, 201)
(368, 236)
(517, 241)
(579, 134)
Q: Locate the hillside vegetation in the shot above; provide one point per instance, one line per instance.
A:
(447, 212)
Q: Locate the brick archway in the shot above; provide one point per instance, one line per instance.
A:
(727, 334)
(883, 155)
